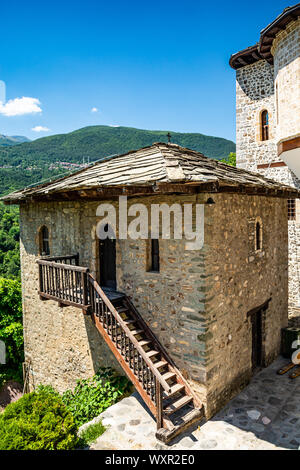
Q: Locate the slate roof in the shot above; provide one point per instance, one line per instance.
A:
(157, 164)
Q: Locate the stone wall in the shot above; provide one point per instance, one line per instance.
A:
(254, 94)
(240, 279)
(61, 343)
(276, 89)
(286, 52)
(196, 304)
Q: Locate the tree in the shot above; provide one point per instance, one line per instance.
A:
(230, 160)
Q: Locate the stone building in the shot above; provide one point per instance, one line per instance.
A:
(201, 318)
(268, 119)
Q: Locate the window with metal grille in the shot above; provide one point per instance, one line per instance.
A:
(292, 209)
(265, 125)
(44, 241)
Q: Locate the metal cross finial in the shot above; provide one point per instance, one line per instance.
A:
(169, 137)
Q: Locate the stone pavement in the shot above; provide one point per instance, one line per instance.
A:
(266, 415)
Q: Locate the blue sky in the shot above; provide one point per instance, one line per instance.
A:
(151, 65)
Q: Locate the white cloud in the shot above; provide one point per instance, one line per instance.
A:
(94, 110)
(40, 129)
(20, 106)
(114, 125)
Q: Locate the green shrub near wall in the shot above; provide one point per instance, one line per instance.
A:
(11, 329)
(38, 421)
(93, 396)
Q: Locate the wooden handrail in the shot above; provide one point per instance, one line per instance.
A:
(132, 338)
(62, 258)
(70, 267)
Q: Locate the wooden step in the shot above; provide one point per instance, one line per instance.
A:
(160, 364)
(174, 389)
(129, 322)
(122, 309)
(136, 332)
(145, 342)
(188, 419)
(152, 353)
(180, 403)
(168, 375)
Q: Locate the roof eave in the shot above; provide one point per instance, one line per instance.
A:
(267, 37)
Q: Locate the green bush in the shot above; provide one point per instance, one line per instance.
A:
(38, 421)
(92, 396)
(9, 241)
(10, 302)
(11, 329)
(91, 433)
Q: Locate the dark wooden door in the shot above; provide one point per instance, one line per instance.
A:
(107, 252)
(256, 320)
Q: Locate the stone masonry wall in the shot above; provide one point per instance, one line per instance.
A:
(254, 94)
(196, 304)
(62, 344)
(286, 52)
(277, 89)
(239, 280)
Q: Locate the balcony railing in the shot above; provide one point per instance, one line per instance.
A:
(66, 283)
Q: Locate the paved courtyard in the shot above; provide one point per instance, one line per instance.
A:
(266, 415)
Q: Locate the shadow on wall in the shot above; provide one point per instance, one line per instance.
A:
(101, 355)
(257, 83)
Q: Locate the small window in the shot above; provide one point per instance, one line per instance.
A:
(258, 236)
(264, 125)
(292, 209)
(154, 256)
(44, 241)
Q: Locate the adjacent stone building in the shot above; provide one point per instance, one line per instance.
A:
(217, 309)
(268, 119)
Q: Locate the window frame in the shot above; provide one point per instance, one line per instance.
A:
(153, 258)
(44, 241)
(258, 235)
(265, 125)
(291, 209)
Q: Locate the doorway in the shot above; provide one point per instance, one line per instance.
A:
(107, 261)
(257, 338)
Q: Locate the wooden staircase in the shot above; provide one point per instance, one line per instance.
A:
(138, 351)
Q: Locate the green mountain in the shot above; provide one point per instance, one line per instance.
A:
(30, 162)
(6, 141)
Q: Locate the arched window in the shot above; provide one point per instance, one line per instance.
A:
(44, 241)
(264, 125)
(258, 235)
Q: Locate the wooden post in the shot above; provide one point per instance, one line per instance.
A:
(159, 410)
(41, 281)
(84, 288)
(41, 278)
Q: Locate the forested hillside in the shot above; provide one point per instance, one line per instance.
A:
(27, 163)
(6, 141)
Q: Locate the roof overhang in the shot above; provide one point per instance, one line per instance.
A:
(262, 50)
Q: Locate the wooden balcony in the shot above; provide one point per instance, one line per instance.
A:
(61, 279)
